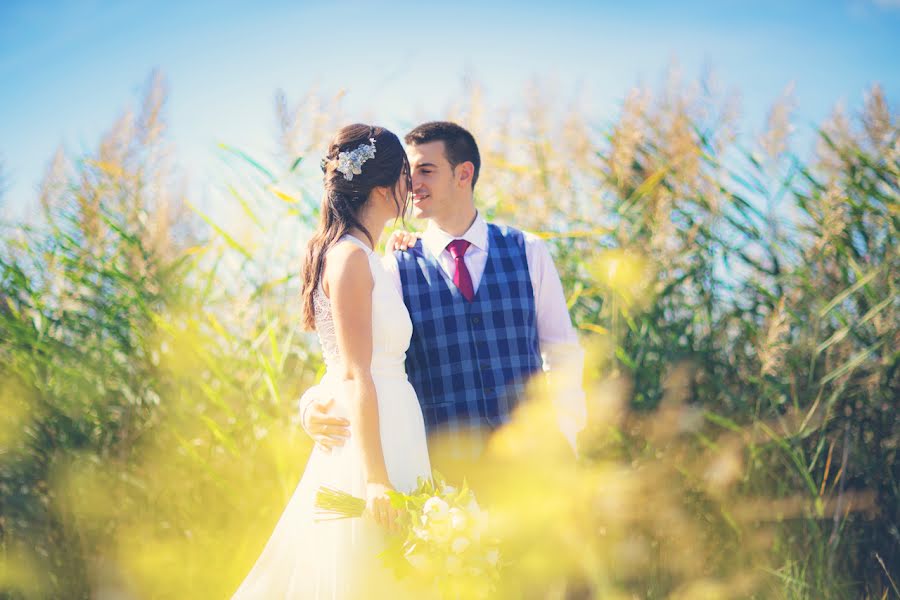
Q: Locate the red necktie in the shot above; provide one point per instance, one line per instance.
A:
(461, 278)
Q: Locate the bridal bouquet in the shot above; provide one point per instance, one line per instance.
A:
(443, 538)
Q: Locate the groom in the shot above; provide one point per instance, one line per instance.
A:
(487, 308)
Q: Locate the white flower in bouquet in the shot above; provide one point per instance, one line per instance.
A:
(436, 519)
(436, 507)
(460, 544)
(439, 529)
(458, 520)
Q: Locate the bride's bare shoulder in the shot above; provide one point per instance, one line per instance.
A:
(346, 265)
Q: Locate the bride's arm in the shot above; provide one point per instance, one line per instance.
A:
(348, 284)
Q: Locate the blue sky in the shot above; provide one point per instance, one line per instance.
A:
(68, 68)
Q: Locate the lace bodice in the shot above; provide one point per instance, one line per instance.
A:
(391, 326)
(325, 326)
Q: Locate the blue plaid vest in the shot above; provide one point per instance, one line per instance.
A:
(469, 361)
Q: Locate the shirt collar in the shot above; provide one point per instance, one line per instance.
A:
(436, 239)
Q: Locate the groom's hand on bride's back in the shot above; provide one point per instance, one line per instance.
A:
(401, 240)
(327, 430)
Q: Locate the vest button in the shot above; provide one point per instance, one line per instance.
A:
(485, 366)
(476, 320)
(489, 391)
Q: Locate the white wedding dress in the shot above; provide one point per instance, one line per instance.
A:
(337, 560)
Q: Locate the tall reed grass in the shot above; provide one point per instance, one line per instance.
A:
(739, 305)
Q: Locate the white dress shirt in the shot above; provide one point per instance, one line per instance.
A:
(561, 352)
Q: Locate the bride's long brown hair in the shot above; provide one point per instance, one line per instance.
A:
(344, 199)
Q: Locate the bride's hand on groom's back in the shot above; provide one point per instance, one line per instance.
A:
(401, 240)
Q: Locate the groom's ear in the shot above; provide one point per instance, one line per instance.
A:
(464, 173)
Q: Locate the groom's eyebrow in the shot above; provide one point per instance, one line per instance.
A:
(420, 165)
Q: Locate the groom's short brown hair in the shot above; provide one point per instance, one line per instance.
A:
(459, 144)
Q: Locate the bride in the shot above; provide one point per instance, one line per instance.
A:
(364, 330)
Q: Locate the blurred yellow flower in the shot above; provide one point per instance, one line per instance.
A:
(625, 274)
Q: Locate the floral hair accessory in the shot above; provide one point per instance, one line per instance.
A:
(350, 163)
